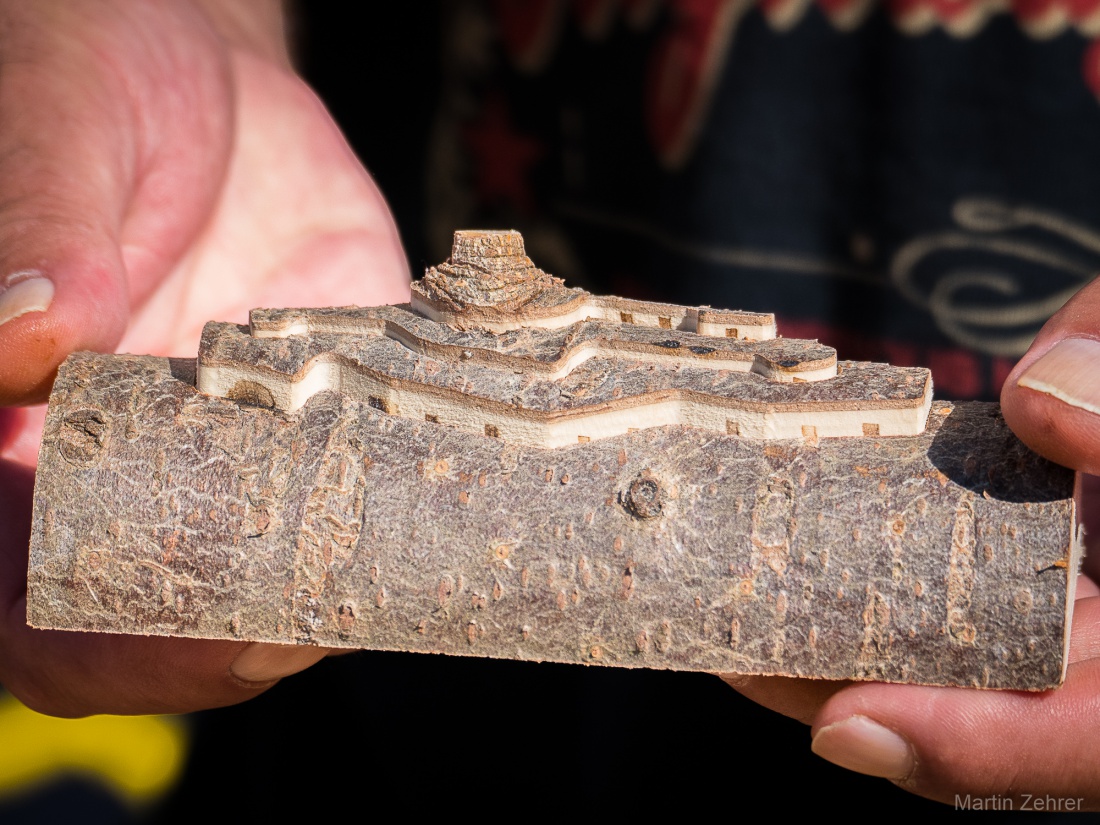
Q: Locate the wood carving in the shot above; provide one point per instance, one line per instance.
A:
(508, 467)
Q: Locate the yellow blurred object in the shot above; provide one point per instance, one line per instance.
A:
(137, 757)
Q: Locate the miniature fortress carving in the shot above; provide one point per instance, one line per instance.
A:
(510, 468)
(491, 344)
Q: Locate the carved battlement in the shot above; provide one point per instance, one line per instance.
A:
(491, 344)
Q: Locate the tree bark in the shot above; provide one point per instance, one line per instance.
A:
(946, 558)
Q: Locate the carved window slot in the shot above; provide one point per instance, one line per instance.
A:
(583, 439)
(664, 323)
(432, 418)
(731, 332)
(378, 403)
(626, 317)
(870, 429)
(809, 431)
(492, 431)
(732, 427)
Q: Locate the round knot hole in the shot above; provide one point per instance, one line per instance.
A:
(645, 498)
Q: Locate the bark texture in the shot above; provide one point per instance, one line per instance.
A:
(944, 558)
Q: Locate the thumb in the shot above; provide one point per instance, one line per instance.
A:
(57, 295)
(1051, 399)
(63, 188)
(999, 749)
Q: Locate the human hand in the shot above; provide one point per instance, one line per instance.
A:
(1028, 750)
(160, 166)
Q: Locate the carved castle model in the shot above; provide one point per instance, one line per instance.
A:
(493, 345)
(384, 478)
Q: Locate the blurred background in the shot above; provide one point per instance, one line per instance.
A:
(876, 177)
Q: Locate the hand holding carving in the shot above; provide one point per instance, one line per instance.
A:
(1000, 748)
(160, 164)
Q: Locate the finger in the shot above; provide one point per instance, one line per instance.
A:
(74, 674)
(108, 166)
(1051, 399)
(62, 184)
(317, 233)
(77, 674)
(947, 743)
(799, 699)
(802, 699)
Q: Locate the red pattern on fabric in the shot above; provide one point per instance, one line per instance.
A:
(1090, 67)
(682, 72)
(688, 58)
(942, 9)
(769, 7)
(595, 16)
(837, 8)
(1075, 10)
(956, 372)
(640, 13)
(1027, 12)
(502, 157)
(528, 28)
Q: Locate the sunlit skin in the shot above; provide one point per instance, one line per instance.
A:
(162, 168)
(162, 165)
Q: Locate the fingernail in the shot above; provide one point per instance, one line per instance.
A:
(1066, 372)
(864, 746)
(22, 292)
(265, 663)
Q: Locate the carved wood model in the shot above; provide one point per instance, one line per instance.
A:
(508, 467)
(491, 344)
